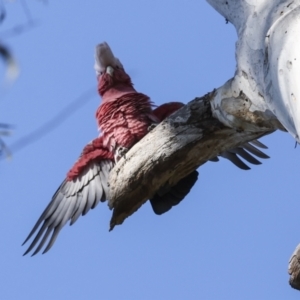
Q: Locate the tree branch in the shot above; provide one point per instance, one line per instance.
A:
(176, 147)
(294, 269)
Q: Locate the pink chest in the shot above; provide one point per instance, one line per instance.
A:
(123, 125)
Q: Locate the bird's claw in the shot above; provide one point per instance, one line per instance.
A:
(152, 126)
(120, 152)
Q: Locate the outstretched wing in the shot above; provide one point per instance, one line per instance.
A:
(72, 199)
(163, 201)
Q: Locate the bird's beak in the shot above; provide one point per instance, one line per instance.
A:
(110, 70)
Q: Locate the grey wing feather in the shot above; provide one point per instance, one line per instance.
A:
(90, 198)
(254, 150)
(79, 209)
(258, 144)
(106, 169)
(98, 191)
(72, 199)
(244, 154)
(234, 159)
(243, 151)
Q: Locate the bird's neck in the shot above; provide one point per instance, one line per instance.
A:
(117, 92)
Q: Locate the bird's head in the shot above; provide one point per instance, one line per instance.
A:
(109, 70)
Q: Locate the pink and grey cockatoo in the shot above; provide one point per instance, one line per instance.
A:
(124, 117)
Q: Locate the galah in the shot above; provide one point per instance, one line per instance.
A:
(124, 117)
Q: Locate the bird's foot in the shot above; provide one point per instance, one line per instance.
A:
(120, 152)
(152, 126)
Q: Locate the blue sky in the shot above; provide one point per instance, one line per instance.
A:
(231, 238)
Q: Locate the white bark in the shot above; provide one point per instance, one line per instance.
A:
(268, 59)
